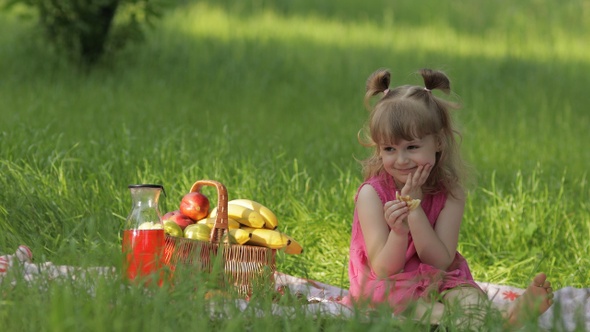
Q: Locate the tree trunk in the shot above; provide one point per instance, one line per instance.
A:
(93, 39)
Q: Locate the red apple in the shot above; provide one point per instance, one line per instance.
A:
(179, 218)
(195, 206)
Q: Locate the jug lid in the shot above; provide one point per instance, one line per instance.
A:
(147, 185)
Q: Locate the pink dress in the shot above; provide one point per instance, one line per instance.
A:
(417, 279)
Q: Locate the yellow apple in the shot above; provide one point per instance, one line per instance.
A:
(200, 232)
(173, 229)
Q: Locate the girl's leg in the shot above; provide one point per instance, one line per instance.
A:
(467, 307)
(460, 303)
(426, 312)
(536, 299)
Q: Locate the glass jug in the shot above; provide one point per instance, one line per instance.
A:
(143, 235)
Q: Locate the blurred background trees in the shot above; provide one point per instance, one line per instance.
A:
(85, 30)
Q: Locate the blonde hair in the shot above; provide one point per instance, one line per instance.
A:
(411, 112)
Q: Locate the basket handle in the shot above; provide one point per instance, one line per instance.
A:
(221, 223)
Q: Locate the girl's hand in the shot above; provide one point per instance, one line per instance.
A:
(413, 186)
(396, 213)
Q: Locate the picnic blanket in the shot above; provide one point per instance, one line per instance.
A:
(571, 310)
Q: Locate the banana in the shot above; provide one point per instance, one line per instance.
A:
(270, 219)
(242, 215)
(200, 232)
(245, 216)
(238, 235)
(210, 221)
(294, 247)
(204, 222)
(267, 237)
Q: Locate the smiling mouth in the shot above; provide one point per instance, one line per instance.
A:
(406, 171)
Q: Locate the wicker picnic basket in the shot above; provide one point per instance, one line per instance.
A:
(243, 266)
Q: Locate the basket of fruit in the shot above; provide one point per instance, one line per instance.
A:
(241, 233)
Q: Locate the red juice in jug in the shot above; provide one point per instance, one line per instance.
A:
(143, 252)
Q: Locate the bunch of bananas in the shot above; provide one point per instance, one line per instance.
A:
(249, 223)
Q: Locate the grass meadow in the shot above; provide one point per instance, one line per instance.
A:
(267, 98)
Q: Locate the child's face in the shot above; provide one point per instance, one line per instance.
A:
(403, 158)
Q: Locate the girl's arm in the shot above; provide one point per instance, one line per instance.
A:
(437, 247)
(386, 243)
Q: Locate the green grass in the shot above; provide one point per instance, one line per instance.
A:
(266, 97)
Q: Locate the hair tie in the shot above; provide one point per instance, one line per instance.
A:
(427, 89)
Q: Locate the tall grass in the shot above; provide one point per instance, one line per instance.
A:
(266, 97)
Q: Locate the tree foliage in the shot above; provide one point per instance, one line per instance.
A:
(85, 30)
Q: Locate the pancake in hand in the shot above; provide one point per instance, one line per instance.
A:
(412, 203)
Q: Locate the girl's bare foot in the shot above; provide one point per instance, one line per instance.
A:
(536, 299)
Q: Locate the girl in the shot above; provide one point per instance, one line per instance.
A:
(407, 256)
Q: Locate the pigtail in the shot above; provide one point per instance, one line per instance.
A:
(434, 79)
(450, 174)
(376, 83)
